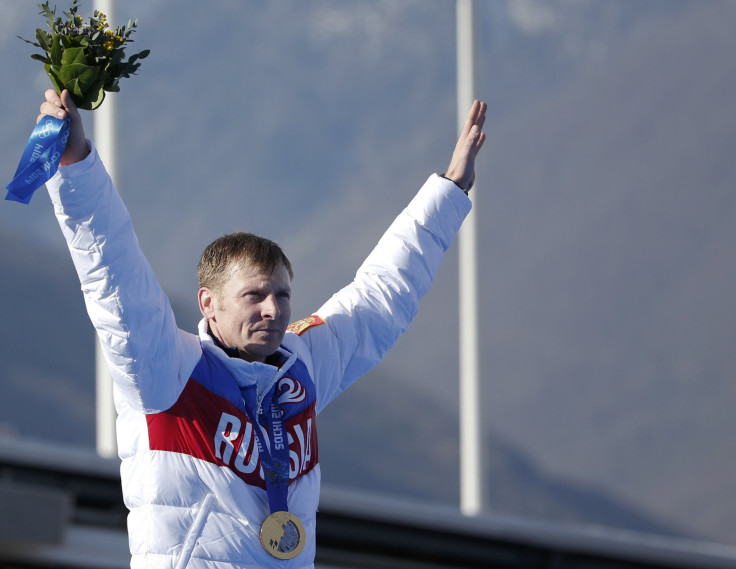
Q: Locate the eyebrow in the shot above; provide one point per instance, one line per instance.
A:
(263, 287)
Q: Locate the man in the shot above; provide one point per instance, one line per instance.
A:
(216, 431)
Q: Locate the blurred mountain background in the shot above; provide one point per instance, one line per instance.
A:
(607, 213)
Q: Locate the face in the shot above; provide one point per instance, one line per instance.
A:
(251, 312)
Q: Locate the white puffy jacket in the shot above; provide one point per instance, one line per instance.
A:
(190, 469)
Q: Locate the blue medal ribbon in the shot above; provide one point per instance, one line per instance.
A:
(274, 456)
(40, 158)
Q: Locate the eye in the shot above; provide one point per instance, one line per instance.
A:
(252, 295)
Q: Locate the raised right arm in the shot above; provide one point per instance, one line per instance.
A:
(149, 358)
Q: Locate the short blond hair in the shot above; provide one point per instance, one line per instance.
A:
(236, 249)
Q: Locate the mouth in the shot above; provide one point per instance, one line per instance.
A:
(269, 331)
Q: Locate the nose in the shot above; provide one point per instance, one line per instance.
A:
(270, 307)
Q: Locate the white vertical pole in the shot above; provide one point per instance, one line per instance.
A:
(104, 137)
(471, 463)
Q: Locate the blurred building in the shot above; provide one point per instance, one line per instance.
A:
(62, 508)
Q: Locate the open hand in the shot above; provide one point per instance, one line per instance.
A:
(462, 165)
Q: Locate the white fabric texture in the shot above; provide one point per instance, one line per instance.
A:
(185, 511)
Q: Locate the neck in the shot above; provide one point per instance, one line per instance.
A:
(229, 350)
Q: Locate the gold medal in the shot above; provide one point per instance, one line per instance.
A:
(283, 535)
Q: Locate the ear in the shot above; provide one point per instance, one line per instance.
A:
(206, 303)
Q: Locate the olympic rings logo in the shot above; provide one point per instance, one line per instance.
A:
(46, 130)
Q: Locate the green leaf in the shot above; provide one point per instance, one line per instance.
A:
(47, 12)
(68, 42)
(55, 51)
(39, 57)
(113, 86)
(141, 55)
(55, 81)
(43, 38)
(80, 76)
(83, 81)
(116, 58)
(74, 55)
(28, 41)
(94, 100)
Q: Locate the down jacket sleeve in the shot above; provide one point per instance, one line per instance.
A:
(128, 308)
(365, 318)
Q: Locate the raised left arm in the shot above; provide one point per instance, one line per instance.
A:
(364, 319)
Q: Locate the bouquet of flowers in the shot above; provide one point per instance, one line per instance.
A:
(86, 58)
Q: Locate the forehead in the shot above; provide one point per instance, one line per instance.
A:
(246, 274)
